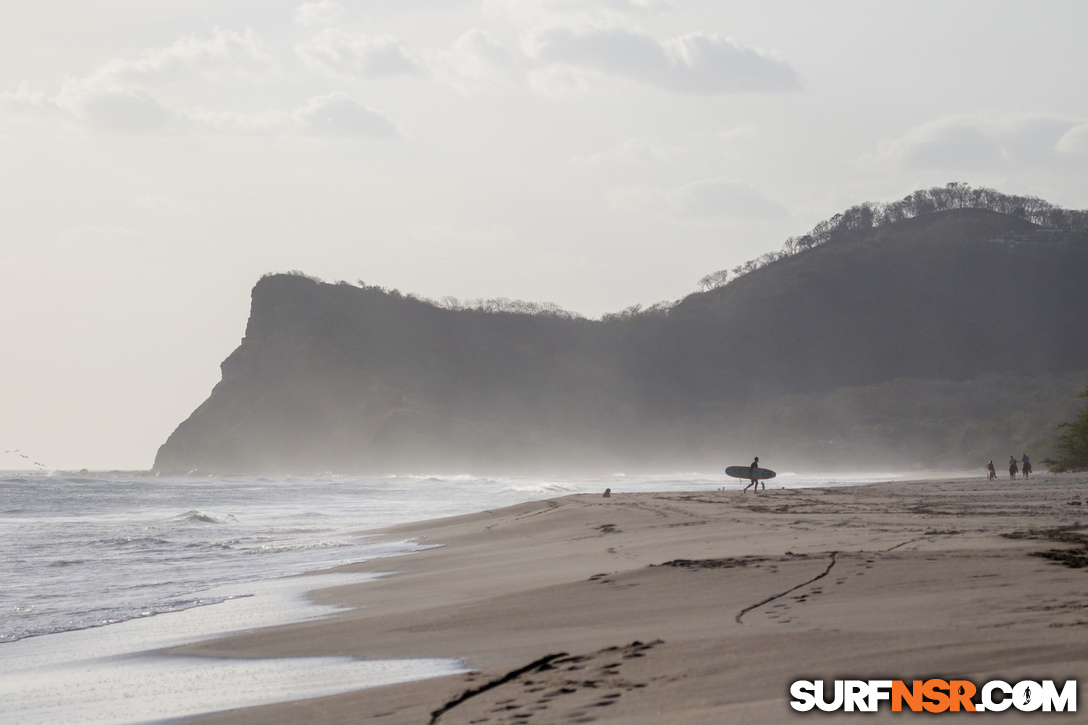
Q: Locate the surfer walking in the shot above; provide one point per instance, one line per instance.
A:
(752, 474)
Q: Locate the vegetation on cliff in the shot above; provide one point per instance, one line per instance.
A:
(941, 339)
(955, 195)
(1071, 448)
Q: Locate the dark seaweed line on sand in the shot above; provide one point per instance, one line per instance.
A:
(513, 674)
(792, 589)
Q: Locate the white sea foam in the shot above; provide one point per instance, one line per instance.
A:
(148, 689)
(120, 674)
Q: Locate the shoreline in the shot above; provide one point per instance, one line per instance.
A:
(701, 606)
(121, 673)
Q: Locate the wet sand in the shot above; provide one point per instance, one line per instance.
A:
(704, 607)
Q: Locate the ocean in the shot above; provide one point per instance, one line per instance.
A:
(103, 571)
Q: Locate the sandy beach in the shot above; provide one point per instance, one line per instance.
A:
(704, 607)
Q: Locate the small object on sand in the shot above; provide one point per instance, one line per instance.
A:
(608, 493)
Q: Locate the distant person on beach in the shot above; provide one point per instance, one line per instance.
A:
(752, 473)
(1013, 468)
(992, 471)
(1026, 467)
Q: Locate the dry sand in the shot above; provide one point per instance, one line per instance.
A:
(704, 607)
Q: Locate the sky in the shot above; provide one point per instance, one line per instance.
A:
(157, 158)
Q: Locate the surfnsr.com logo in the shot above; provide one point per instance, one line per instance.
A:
(934, 696)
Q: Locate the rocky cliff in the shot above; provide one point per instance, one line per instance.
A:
(910, 341)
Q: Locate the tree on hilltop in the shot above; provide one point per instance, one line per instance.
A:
(870, 215)
(1072, 444)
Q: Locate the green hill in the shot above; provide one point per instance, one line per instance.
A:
(944, 339)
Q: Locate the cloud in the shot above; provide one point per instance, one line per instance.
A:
(337, 114)
(535, 11)
(325, 12)
(224, 52)
(358, 56)
(114, 98)
(99, 109)
(738, 133)
(980, 143)
(117, 97)
(558, 58)
(1074, 141)
(948, 144)
(28, 100)
(707, 198)
(694, 63)
(125, 112)
(1037, 137)
(629, 152)
(475, 62)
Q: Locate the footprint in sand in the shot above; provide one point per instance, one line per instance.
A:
(569, 687)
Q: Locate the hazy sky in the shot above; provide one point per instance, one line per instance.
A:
(157, 158)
